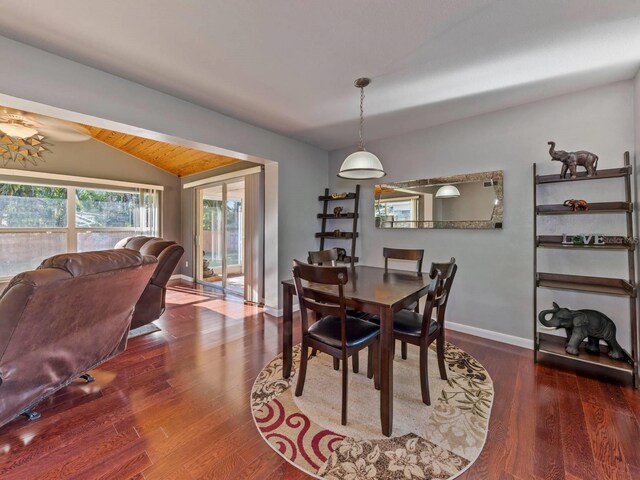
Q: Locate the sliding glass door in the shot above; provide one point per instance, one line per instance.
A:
(220, 240)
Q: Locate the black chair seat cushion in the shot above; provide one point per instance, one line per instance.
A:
(356, 313)
(327, 330)
(406, 322)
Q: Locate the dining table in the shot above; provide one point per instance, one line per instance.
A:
(376, 291)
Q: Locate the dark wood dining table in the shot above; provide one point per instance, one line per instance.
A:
(376, 291)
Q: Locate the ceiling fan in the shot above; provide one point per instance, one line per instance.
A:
(18, 124)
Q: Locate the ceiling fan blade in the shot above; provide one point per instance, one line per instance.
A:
(64, 133)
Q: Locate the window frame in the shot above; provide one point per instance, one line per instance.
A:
(73, 184)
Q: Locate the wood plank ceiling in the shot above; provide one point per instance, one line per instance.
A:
(180, 161)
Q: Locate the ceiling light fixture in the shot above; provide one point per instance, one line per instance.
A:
(18, 129)
(361, 165)
(447, 191)
(23, 151)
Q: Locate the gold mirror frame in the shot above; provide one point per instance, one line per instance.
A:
(497, 215)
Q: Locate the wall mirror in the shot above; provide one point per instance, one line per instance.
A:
(473, 200)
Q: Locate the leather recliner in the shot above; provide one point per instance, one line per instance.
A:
(63, 319)
(152, 302)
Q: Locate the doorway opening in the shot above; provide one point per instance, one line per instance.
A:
(229, 236)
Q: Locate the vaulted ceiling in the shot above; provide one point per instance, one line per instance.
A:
(175, 159)
(289, 66)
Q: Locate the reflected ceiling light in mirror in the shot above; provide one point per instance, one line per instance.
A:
(447, 191)
(361, 165)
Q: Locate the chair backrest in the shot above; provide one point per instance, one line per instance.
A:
(436, 297)
(167, 252)
(63, 319)
(324, 257)
(447, 274)
(329, 302)
(403, 254)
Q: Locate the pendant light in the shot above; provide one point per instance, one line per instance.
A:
(361, 165)
(448, 191)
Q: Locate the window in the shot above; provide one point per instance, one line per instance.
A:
(401, 212)
(37, 221)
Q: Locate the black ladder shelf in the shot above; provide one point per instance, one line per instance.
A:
(329, 217)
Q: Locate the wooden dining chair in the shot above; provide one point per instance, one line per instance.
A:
(335, 333)
(417, 255)
(325, 258)
(329, 257)
(447, 274)
(423, 330)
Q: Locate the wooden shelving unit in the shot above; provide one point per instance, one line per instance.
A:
(328, 218)
(552, 345)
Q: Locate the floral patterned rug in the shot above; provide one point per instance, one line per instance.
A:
(439, 441)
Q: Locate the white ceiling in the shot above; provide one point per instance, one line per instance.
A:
(289, 65)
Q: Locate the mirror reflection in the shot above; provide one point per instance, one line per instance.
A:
(462, 201)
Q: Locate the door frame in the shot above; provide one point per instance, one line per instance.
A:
(199, 220)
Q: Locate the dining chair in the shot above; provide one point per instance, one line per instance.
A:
(416, 255)
(329, 257)
(423, 330)
(335, 333)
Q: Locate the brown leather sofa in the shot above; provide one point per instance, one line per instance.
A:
(63, 319)
(152, 302)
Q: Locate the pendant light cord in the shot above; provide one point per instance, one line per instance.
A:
(361, 146)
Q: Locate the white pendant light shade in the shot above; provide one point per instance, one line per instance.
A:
(361, 165)
(447, 191)
(18, 130)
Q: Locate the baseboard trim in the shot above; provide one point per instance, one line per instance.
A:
(278, 312)
(491, 335)
(179, 276)
(458, 327)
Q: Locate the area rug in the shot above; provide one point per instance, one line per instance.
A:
(143, 330)
(439, 441)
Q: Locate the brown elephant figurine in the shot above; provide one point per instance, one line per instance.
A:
(571, 160)
(577, 205)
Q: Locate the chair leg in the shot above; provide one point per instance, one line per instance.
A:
(370, 355)
(302, 373)
(336, 363)
(376, 364)
(440, 350)
(403, 346)
(345, 373)
(424, 374)
(355, 358)
(314, 352)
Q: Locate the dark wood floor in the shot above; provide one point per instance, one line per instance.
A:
(176, 405)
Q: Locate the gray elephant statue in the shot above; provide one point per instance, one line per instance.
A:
(581, 324)
(571, 160)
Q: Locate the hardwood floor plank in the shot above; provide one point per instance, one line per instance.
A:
(548, 461)
(605, 445)
(175, 405)
(578, 457)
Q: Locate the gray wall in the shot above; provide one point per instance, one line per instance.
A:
(60, 87)
(493, 290)
(97, 160)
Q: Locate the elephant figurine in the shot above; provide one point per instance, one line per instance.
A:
(571, 160)
(581, 324)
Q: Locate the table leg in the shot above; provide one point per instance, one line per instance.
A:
(287, 331)
(386, 370)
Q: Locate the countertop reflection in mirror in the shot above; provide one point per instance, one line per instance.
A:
(474, 200)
